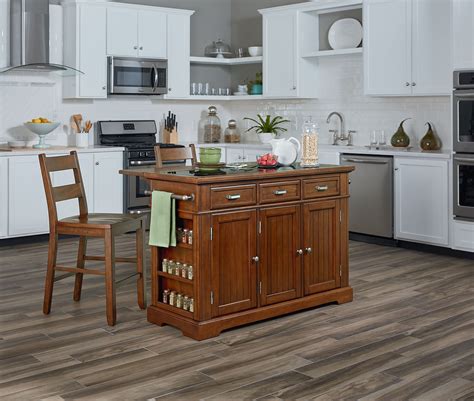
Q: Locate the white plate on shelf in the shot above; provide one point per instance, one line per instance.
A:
(345, 33)
(241, 94)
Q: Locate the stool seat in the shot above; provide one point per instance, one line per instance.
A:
(98, 220)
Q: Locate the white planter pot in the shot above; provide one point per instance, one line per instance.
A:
(265, 137)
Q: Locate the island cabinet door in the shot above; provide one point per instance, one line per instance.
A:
(321, 239)
(280, 262)
(234, 273)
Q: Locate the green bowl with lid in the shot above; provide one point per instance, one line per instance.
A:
(210, 155)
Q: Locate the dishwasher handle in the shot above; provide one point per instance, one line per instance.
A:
(365, 161)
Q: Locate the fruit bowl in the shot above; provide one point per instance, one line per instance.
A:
(267, 161)
(41, 129)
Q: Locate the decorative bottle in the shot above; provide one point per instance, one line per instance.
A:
(309, 144)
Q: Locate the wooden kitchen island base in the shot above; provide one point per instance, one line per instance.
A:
(213, 327)
(265, 243)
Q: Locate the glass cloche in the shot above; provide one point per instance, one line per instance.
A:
(218, 49)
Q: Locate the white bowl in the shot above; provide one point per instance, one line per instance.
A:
(345, 33)
(256, 51)
(17, 144)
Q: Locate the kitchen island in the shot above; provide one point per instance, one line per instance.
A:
(264, 243)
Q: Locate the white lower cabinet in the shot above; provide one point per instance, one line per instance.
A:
(23, 208)
(421, 200)
(27, 209)
(463, 235)
(108, 183)
(3, 197)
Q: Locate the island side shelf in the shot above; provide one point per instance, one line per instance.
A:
(265, 244)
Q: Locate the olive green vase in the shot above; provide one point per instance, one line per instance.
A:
(430, 141)
(400, 139)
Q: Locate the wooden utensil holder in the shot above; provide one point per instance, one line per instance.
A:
(169, 136)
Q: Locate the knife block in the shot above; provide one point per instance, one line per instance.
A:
(169, 136)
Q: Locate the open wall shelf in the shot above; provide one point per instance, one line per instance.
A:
(226, 61)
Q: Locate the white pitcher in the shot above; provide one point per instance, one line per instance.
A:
(286, 149)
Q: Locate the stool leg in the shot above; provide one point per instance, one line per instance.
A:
(81, 253)
(141, 266)
(49, 282)
(110, 278)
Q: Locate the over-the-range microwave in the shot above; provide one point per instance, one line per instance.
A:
(135, 76)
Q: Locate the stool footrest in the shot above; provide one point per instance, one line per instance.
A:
(76, 270)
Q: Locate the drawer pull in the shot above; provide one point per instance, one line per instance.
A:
(322, 189)
(280, 192)
(232, 197)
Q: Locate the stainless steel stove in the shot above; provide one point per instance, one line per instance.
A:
(139, 139)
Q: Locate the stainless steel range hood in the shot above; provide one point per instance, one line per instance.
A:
(29, 38)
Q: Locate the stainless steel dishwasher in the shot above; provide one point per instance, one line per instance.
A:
(371, 190)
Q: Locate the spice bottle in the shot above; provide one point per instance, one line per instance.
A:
(184, 237)
(177, 269)
(186, 303)
(171, 266)
(190, 272)
(191, 304)
(190, 237)
(184, 271)
(164, 265)
(179, 234)
(232, 134)
(179, 301)
(166, 294)
(172, 298)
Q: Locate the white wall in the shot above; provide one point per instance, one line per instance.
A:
(341, 89)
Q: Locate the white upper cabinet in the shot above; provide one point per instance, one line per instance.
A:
(279, 59)
(432, 55)
(152, 34)
(136, 33)
(85, 49)
(407, 47)
(179, 49)
(387, 47)
(463, 37)
(422, 200)
(122, 32)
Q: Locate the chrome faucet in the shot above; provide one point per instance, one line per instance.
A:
(340, 135)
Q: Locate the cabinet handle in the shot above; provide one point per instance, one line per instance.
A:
(135, 47)
(141, 47)
(97, 163)
(170, 89)
(309, 251)
(322, 189)
(407, 83)
(280, 192)
(413, 84)
(256, 259)
(294, 88)
(232, 197)
(299, 252)
(104, 88)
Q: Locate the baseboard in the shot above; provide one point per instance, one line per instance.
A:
(372, 239)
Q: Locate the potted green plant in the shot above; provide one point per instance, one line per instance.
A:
(256, 87)
(267, 128)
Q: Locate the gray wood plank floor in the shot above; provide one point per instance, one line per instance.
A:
(408, 335)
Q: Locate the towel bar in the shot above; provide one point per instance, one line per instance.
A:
(177, 197)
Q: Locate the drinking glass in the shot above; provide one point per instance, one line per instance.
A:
(213, 91)
(193, 89)
(373, 138)
(200, 88)
(207, 89)
(382, 138)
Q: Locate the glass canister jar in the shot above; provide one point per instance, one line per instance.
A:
(309, 144)
(232, 134)
(211, 126)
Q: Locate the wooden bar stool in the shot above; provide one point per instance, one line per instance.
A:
(174, 154)
(103, 225)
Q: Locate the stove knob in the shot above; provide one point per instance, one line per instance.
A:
(134, 154)
(150, 154)
(142, 154)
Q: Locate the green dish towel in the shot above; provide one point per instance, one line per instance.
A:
(163, 220)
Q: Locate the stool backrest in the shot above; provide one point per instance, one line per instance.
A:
(174, 155)
(65, 192)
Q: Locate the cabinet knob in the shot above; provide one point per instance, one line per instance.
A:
(135, 47)
(256, 259)
(104, 88)
(141, 48)
(294, 88)
(413, 84)
(407, 83)
(396, 168)
(309, 250)
(299, 252)
(170, 89)
(97, 163)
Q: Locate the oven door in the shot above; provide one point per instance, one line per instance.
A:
(129, 76)
(137, 188)
(464, 186)
(463, 118)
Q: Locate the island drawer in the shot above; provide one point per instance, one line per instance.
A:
(279, 191)
(239, 195)
(321, 187)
